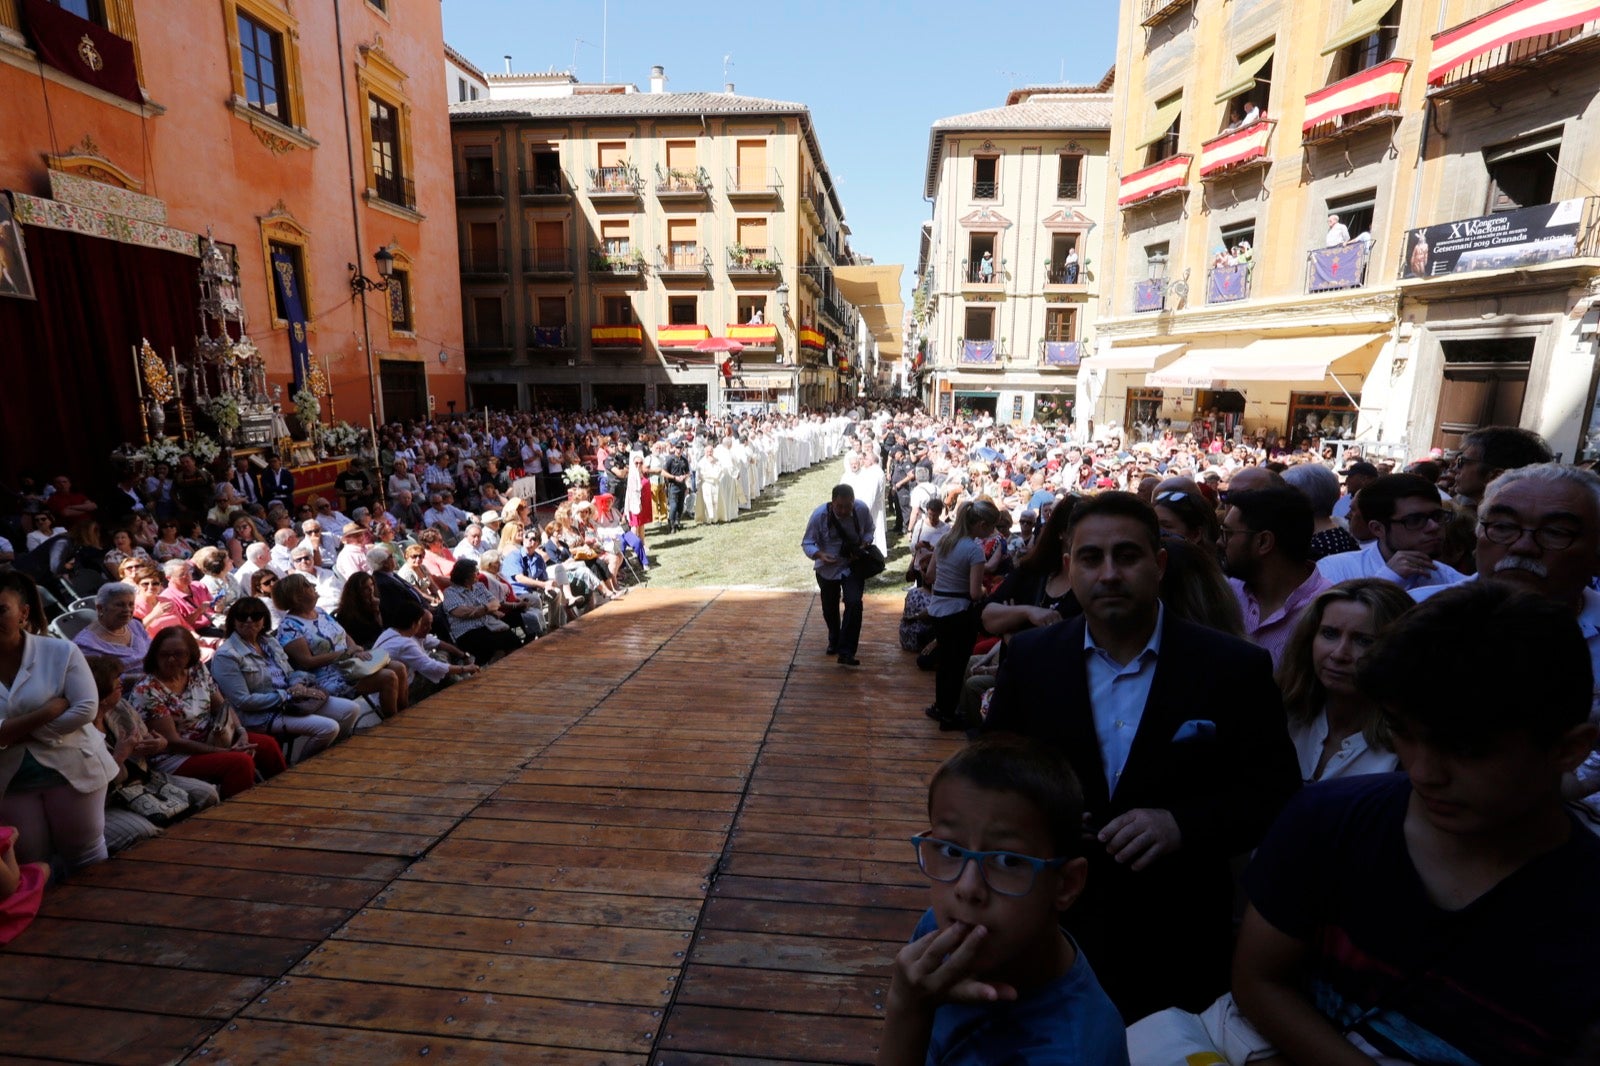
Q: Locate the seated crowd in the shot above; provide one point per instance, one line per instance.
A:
(208, 627)
(1379, 704)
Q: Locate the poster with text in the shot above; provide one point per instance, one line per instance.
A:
(1522, 238)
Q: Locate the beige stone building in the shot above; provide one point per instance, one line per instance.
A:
(1315, 140)
(1009, 268)
(605, 233)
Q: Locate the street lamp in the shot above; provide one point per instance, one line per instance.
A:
(783, 298)
(783, 312)
(360, 284)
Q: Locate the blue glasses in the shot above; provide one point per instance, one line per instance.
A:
(1005, 872)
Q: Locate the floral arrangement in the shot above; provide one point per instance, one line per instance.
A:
(343, 437)
(204, 449)
(165, 450)
(224, 411)
(308, 408)
(575, 476)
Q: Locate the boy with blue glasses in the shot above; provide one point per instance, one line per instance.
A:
(989, 975)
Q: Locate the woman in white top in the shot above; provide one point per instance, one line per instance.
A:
(54, 766)
(1337, 731)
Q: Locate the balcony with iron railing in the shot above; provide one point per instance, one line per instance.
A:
(393, 189)
(1154, 12)
(983, 274)
(1166, 177)
(549, 338)
(1069, 190)
(753, 183)
(619, 183)
(481, 338)
(1366, 98)
(811, 274)
(746, 262)
(981, 355)
(1228, 283)
(483, 262)
(547, 261)
(1237, 150)
(1067, 276)
(683, 261)
(682, 184)
(985, 189)
(833, 309)
(1342, 266)
(545, 184)
(1508, 40)
(619, 262)
(625, 338)
(1060, 355)
(814, 203)
(478, 185)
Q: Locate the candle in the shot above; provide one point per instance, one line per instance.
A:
(138, 388)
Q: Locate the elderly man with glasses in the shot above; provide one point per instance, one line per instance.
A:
(1539, 529)
(1404, 515)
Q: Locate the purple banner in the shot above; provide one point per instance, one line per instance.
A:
(977, 351)
(1149, 294)
(1061, 353)
(1339, 267)
(1225, 284)
(548, 336)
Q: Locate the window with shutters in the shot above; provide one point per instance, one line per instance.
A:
(1522, 173)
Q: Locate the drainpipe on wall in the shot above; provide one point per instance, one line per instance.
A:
(355, 211)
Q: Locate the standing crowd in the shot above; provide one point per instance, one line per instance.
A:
(1268, 762)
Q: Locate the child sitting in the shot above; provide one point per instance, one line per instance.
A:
(989, 975)
(21, 887)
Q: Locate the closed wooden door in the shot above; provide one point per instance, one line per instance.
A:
(1471, 398)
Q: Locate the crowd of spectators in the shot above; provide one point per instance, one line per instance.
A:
(192, 631)
(1181, 656)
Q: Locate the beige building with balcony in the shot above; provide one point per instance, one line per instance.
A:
(1274, 162)
(1008, 272)
(604, 234)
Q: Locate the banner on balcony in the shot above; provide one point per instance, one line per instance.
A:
(812, 340)
(287, 283)
(753, 333)
(1225, 284)
(1338, 267)
(977, 351)
(1149, 294)
(1505, 25)
(548, 336)
(681, 336)
(616, 336)
(84, 49)
(1494, 242)
(1377, 86)
(1061, 353)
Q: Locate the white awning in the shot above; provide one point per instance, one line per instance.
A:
(1141, 357)
(1311, 360)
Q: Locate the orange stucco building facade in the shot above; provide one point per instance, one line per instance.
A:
(318, 131)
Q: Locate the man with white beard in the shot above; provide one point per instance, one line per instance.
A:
(866, 478)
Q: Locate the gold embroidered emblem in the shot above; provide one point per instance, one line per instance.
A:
(90, 54)
(299, 333)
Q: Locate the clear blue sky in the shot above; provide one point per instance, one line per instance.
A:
(874, 74)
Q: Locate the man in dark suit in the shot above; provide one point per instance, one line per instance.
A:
(276, 483)
(1178, 735)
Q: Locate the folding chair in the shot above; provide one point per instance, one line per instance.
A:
(70, 624)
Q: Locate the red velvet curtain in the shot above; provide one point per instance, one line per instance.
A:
(67, 391)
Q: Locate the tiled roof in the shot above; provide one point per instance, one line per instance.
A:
(1066, 110)
(1076, 111)
(461, 61)
(623, 105)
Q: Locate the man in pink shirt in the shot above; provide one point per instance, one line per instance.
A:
(1266, 550)
(188, 599)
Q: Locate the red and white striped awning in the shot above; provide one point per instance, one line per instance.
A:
(1170, 173)
(1510, 22)
(1232, 149)
(1377, 86)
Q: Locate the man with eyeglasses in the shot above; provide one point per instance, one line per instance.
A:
(1489, 452)
(1404, 516)
(1539, 529)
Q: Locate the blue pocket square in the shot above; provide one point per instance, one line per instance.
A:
(1195, 729)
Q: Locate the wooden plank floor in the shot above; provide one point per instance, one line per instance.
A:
(673, 834)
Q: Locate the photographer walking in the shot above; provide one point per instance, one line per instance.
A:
(836, 536)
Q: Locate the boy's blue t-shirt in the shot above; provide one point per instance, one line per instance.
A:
(1068, 1022)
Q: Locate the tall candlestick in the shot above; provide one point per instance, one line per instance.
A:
(138, 387)
(327, 376)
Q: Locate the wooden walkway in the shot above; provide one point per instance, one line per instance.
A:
(673, 834)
